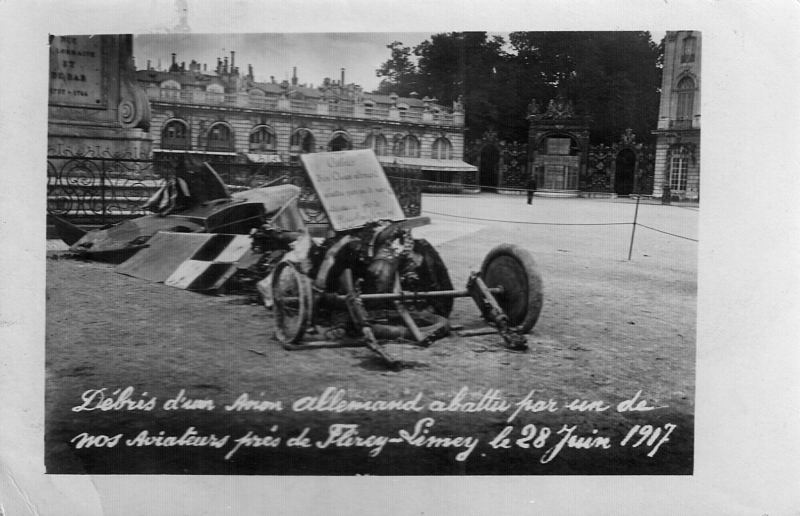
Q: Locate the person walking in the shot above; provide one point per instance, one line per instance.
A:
(531, 187)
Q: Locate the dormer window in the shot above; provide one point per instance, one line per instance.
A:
(171, 85)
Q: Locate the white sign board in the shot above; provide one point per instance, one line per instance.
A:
(352, 187)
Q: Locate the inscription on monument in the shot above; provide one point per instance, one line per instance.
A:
(352, 187)
(76, 72)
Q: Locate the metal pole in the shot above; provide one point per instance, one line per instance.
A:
(633, 231)
(103, 192)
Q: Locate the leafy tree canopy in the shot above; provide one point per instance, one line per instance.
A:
(611, 77)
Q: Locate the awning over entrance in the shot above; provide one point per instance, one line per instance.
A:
(263, 158)
(451, 165)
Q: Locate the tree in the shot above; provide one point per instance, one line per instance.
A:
(466, 65)
(399, 71)
(611, 77)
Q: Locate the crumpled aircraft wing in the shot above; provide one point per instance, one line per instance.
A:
(191, 261)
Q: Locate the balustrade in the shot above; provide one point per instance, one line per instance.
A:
(342, 109)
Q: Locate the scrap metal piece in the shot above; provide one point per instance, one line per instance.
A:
(358, 315)
(493, 313)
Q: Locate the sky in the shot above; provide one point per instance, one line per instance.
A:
(316, 55)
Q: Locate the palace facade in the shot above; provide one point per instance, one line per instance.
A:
(227, 116)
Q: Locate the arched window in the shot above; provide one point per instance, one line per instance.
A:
(442, 149)
(262, 139)
(685, 89)
(220, 138)
(407, 147)
(302, 142)
(377, 142)
(339, 141)
(175, 135)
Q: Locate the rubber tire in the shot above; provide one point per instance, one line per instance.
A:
(434, 276)
(514, 269)
(289, 336)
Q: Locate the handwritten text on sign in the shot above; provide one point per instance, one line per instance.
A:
(352, 187)
(546, 441)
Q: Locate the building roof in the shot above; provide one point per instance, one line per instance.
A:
(183, 78)
(201, 79)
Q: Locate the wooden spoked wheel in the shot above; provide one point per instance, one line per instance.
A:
(291, 292)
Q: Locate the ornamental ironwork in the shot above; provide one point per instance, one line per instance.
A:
(513, 165)
(601, 170)
(92, 189)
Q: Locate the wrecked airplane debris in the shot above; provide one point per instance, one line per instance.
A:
(193, 200)
(367, 281)
(371, 280)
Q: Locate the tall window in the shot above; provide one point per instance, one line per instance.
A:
(377, 142)
(678, 168)
(220, 138)
(262, 139)
(442, 149)
(407, 147)
(302, 142)
(175, 135)
(339, 141)
(685, 89)
(689, 44)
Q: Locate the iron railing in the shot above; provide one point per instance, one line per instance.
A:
(93, 190)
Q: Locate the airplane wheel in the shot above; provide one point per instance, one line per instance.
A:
(512, 268)
(291, 291)
(433, 275)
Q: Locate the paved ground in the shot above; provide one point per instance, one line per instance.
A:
(609, 328)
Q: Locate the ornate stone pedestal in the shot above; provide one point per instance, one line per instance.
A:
(96, 108)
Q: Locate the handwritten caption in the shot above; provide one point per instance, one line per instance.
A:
(515, 434)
